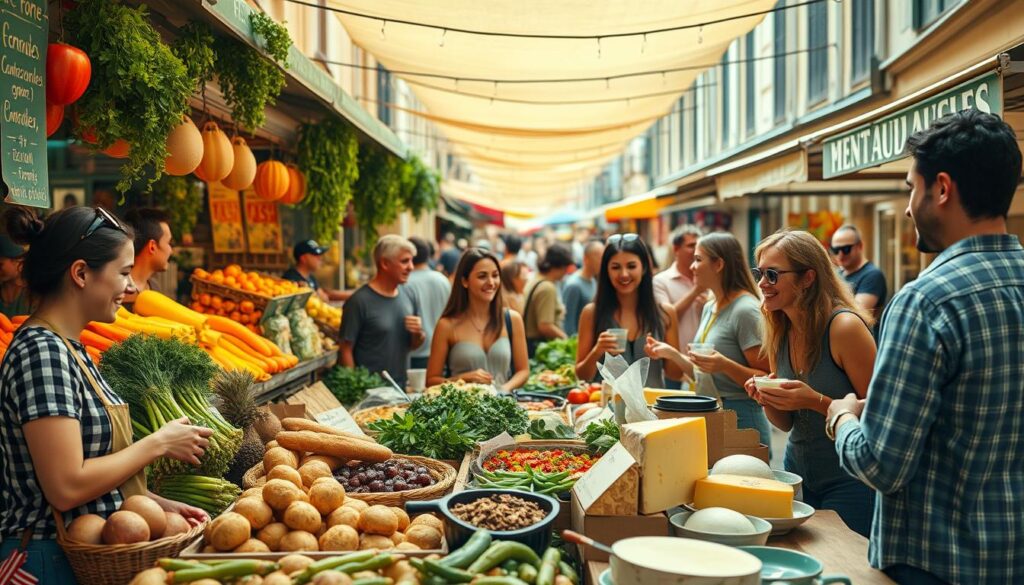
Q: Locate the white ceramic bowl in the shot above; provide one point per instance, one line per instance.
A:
(801, 513)
(766, 382)
(666, 560)
(789, 478)
(758, 538)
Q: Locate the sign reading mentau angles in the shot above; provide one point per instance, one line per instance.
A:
(24, 25)
(882, 141)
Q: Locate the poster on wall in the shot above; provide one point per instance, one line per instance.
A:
(226, 217)
(820, 224)
(262, 224)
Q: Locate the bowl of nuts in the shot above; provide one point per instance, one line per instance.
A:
(524, 517)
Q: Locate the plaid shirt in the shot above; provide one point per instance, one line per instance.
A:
(942, 432)
(39, 378)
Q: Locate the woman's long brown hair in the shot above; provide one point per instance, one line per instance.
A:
(735, 272)
(458, 302)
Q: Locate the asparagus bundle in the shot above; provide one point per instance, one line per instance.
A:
(209, 493)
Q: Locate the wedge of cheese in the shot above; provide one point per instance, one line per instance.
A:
(651, 395)
(672, 454)
(764, 498)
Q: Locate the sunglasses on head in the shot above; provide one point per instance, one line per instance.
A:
(616, 239)
(771, 274)
(844, 249)
(103, 218)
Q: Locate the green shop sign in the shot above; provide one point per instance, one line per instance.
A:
(882, 141)
(24, 25)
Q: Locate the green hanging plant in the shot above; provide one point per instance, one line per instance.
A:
(328, 155)
(248, 81)
(378, 198)
(276, 39)
(194, 46)
(421, 187)
(139, 88)
(183, 201)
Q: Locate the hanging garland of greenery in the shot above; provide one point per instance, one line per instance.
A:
(248, 81)
(183, 201)
(328, 155)
(378, 198)
(194, 46)
(139, 88)
(421, 187)
(276, 39)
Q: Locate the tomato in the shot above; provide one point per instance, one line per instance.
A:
(579, 396)
(68, 72)
(54, 117)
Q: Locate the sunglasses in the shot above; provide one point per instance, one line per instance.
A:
(103, 218)
(615, 239)
(771, 274)
(842, 249)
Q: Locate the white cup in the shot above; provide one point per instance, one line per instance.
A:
(417, 380)
(702, 348)
(766, 382)
(621, 336)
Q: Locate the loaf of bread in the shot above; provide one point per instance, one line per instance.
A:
(333, 445)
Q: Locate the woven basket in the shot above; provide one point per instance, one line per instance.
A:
(117, 564)
(444, 476)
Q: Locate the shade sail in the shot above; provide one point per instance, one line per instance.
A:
(536, 142)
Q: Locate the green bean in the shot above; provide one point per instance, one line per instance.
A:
(331, 563)
(548, 567)
(373, 581)
(527, 573)
(501, 552)
(469, 552)
(180, 565)
(498, 581)
(231, 570)
(450, 574)
(566, 569)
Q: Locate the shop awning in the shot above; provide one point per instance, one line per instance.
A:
(644, 206)
(746, 180)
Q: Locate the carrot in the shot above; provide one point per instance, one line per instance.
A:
(238, 364)
(150, 303)
(241, 351)
(17, 320)
(109, 330)
(6, 337)
(92, 339)
(93, 353)
(225, 325)
(5, 323)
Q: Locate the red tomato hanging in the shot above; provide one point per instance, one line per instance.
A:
(68, 71)
(54, 117)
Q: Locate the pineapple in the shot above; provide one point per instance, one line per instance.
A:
(238, 406)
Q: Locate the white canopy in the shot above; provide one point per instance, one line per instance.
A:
(531, 144)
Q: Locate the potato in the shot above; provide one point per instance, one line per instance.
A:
(253, 492)
(397, 538)
(299, 540)
(87, 529)
(375, 541)
(425, 537)
(332, 578)
(326, 495)
(125, 527)
(277, 578)
(378, 520)
(407, 546)
(314, 470)
(396, 571)
(302, 516)
(403, 518)
(278, 456)
(365, 575)
(228, 531)
(303, 497)
(344, 515)
(280, 493)
(340, 537)
(271, 535)
(176, 524)
(252, 546)
(320, 532)
(356, 504)
(255, 510)
(150, 511)
(154, 576)
(287, 473)
(292, 563)
(429, 520)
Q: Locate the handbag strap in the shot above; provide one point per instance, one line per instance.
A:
(508, 329)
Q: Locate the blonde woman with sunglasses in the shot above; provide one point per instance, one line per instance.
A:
(819, 338)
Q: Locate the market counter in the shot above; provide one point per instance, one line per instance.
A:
(294, 379)
(824, 537)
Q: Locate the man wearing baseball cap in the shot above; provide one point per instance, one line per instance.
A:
(307, 261)
(12, 290)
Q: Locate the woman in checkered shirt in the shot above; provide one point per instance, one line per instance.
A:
(56, 436)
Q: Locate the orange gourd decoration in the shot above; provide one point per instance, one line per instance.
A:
(54, 118)
(272, 180)
(296, 186)
(218, 156)
(244, 170)
(184, 148)
(119, 149)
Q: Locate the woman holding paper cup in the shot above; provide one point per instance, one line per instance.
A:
(727, 349)
(624, 313)
(819, 344)
(477, 339)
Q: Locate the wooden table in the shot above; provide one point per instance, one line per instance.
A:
(824, 537)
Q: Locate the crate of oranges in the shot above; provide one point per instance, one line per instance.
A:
(245, 297)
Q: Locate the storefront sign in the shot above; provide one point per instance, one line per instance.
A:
(24, 25)
(226, 217)
(883, 140)
(262, 224)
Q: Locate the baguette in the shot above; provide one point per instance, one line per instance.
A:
(304, 424)
(333, 445)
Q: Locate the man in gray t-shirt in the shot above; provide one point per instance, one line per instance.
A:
(432, 290)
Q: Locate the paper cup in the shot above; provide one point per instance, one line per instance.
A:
(702, 348)
(417, 380)
(622, 336)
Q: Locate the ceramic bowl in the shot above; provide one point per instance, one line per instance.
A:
(801, 513)
(779, 565)
(666, 560)
(759, 537)
(789, 478)
(766, 382)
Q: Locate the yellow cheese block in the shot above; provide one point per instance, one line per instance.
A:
(673, 455)
(764, 498)
(651, 395)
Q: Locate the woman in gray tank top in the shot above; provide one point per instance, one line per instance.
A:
(817, 337)
(476, 339)
(625, 300)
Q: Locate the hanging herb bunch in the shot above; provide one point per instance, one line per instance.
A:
(194, 46)
(183, 201)
(421, 187)
(139, 89)
(248, 81)
(328, 155)
(378, 197)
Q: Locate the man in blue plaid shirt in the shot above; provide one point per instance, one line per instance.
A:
(941, 433)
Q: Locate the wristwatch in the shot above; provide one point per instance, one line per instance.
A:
(830, 424)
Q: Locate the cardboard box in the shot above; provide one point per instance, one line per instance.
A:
(724, 438)
(611, 529)
(611, 487)
(283, 411)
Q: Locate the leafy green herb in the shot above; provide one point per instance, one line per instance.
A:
(349, 385)
(275, 36)
(248, 81)
(183, 201)
(555, 353)
(328, 155)
(194, 46)
(601, 435)
(538, 430)
(377, 199)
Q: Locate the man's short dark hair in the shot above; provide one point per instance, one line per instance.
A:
(559, 255)
(422, 250)
(513, 244)
(145, 221)
(979, 152)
